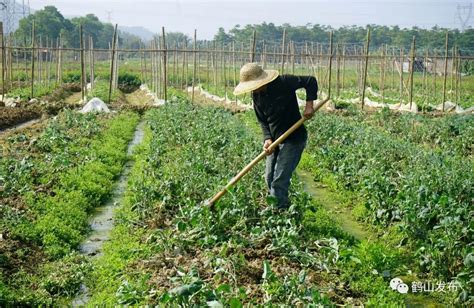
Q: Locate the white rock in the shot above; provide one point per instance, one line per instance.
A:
(33, 101)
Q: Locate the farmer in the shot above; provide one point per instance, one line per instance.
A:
(276, 108)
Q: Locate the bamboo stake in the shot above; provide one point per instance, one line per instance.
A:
(233, 63)
(445, 69)
(225, 72)
(92, 62)
(453, 66)
(10, 60)
(175, 64)
(194, 66)
(425, 84)
(33, 59)
(83, 73)
(338, 69)
(165, 85)
(435, 68)
(252, 57)
(401, 75)
(40, 61)
(112, 62)
(59, 61)
(382, 74)
(185, 84)
(330, 63)
(343, 66)
(365, 68)
(214, 68)
(412, 69)
(3, 61)
(283, 52)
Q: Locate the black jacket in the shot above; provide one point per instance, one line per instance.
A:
(277, 108)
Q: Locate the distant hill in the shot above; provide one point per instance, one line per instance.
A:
(141, 32)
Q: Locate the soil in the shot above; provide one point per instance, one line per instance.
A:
(11, 116)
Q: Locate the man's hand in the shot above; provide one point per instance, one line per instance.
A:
(266, 145)
(308, 110)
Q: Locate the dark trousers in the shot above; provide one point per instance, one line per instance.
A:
(279, 169)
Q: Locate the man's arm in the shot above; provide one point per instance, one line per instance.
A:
(310, 84)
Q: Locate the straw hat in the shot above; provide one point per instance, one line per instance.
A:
(252, 77)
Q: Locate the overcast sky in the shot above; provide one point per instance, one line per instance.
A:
(208, 16)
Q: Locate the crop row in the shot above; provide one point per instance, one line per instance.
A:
(426, 194)
(50, 184)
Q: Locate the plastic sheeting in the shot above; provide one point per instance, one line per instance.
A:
(95, 105)
(218, 99)
(156, 101)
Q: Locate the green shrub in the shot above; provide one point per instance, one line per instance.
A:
(128, 82)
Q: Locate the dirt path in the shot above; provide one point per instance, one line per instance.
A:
(333, 204)
(102, 222)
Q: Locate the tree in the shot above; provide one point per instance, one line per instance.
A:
(48, 24)
(221, 36)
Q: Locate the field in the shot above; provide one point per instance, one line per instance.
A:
(109, 208)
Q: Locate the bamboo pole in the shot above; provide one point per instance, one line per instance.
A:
(330, 63)
(412, 69)
(184, 84)
(293, 56)
(83, 73)
(10, 60)
(33, 59)
(445, 69)
(458, 74)
(401, 75)
(112, 62)
(117, 61)
(425, 84)
(214, 68)
(224, 67)
(343, 66)
(47, 69)
(252, 57)
(175, 63)
(453, 66)
(194, 66)
(3, 61)
(365, 67)
(435, 68)
(393, 59)
(59, 61)
(152, 68)
(165, 77)
(382, 74)
(40, 61)
(92, 62)
(338, 69)
(234, 65)
(283, 44)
